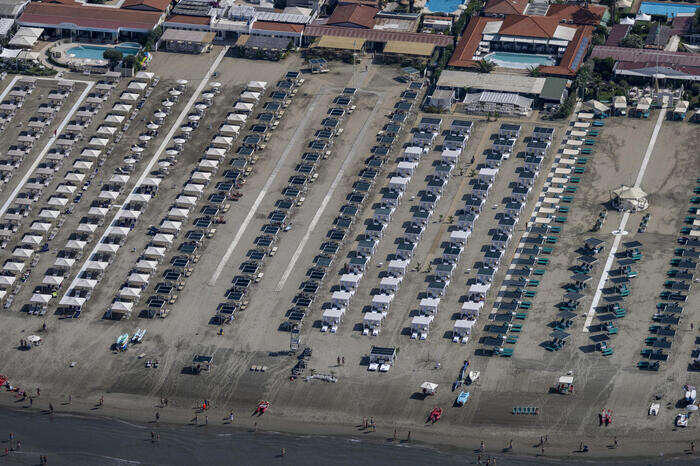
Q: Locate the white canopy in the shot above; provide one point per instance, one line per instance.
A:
(39, 298)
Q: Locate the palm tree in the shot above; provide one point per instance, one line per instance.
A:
(486, 65)
(534, 71)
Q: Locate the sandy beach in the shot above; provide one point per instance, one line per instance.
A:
(76, 358)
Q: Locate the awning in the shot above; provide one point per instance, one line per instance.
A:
(341, 43)
(409, 48)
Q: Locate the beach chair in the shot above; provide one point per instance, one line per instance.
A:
(506, 352)
(696, 190)
(612, 330)
(524, 305)
(570, 189)
(643, 364)
(563, 209)
(551, 239)
(575, 179)
(607, 352)
(582, 160)
(567, 199)
(547, 250)
(555, 229)
(512, 339)
(538, 272)
(521, 315)
(533, 282)
(580, 170)
(542, 261)
(516, 327)
(529, 293)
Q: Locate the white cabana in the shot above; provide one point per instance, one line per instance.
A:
(429, 306)
(462, 329)
(72, 301)
(256, 86)
(471, 309)
(52, 280)
(331, 318)
(420, 325)
(372, 321)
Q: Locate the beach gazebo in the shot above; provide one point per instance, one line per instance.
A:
(629, 199)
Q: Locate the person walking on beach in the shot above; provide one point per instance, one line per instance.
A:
(195, 420)
(50, 408)
(616, 442)
(542, 450)
(206, 420)
(339, 360)
(481, 448)
(38, 391)
(102, 400)
(157, 417)
(510, 445)
(364, 423)
(230, 417)
(342, 360)
(408, 439)
(692, 447)
(70, 399)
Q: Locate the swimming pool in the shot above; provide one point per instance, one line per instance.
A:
(444, 6)
(669, 10)
(520, 60)
(95, 52)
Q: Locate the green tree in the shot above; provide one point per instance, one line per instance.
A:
(113, 56)
(604, 67)
(632, 41)
(129, 61)
(486, 66)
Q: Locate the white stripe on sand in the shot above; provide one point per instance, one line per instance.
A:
(346, 163)
(254, 208)
(147, 169)
(623, 224)
(46, 148)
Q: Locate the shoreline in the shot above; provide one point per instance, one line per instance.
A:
(632, 449)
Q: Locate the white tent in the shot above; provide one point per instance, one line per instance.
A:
(72, 301)
(64, 262)
(85, 283)
(52, 280)
(258, 86)
(630, 199)
(39, 298)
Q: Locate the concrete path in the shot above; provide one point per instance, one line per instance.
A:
(623, 223)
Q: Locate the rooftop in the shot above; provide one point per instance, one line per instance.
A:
(378, 35)
(150, 5)
(359, 15)
(492, 81)
(110, 19)
(505, 7)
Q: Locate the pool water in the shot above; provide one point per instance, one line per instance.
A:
(520, 60)
(444, 6)
(669, 10)
(96, 52)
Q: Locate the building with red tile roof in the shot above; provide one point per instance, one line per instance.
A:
(353, 16)
(649, 63)
(589, 15)
(504, 7)
(147, 5)
(71, 18)
(563, 32)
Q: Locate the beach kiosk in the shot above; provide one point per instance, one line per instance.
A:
(565, 385)
(428, 388)
(381, 358)
(202, 362)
